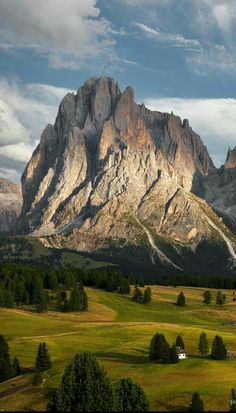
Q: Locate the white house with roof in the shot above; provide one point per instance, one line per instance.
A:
(181, 353)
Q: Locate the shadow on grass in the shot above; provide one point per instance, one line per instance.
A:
(125, 358)
(172, 408)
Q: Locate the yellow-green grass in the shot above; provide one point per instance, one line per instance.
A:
(119, 331)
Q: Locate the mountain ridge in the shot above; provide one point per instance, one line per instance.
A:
(112, 171)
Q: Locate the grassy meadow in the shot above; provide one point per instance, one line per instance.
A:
(119, 331)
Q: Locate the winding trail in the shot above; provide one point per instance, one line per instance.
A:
(164, 259)
(226, 239)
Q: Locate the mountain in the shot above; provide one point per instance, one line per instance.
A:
(220, 188)
(10, 205)
(111, 177)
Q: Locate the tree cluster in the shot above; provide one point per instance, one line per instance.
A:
(7, 369)
(85, 386)
(161, 351)
(77, 301)
(142, 297)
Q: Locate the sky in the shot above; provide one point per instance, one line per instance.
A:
(178, 56)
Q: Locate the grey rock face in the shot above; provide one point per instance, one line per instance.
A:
(220, 188)
(10, 205)
(109, 164)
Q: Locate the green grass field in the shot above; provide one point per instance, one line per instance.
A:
(119, 331)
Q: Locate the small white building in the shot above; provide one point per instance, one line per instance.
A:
(181, 353)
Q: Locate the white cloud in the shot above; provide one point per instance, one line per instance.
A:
(213, 119)
(69, 33)
(11, 130)
(177, 40)
(11, 174)
(213, 58)
(25, 109)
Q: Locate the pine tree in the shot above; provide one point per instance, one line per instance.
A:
(219, 298)
(181, 299)
(137, 294)
(207, 297)
(42, 359)
(159, 349)
(52, 280)
(232, 402)
(85, 386)
(147, 295)
(16, 367)
(9, 301)
(74, 300)
(1, 297)
(130, 397)
(4, 349)
(179, 342)
(42, 301)
(218, 351)
(196, 404)
(203, 345)
(125, 286)
(5, 370)
(173, 355)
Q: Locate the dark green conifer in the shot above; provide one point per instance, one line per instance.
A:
(84, 386)
(181, 299)
(130, 397)
(218, 351)
(196, 404)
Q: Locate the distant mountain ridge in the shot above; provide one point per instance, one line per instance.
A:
(112, 176)
(10, 205)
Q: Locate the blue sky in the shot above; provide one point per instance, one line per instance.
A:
(178, 55)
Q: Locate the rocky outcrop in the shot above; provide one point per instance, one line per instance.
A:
(10, 205)
(112, 171)
(220, 188)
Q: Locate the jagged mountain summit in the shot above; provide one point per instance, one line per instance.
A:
(220, 188)
(10, 205)
(111, 176)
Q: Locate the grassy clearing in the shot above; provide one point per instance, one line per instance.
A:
(119, 331)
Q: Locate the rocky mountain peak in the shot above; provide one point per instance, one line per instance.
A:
(108, 161)
(230, 159)
(10, 204)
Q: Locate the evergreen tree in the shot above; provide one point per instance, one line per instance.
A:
(203, 345)
(159, 349)
(207, 297)
(173, 355)
(85, 386)
(219, 298)
(9, 301)
(5, 370)
(181, 299)
(218, 351)
(130, 397)
(16, 367)
(42, 359)
(125, 286)
(179, 342)
(1, 297)
(147, 295)
(74, 300)
(4, 349)
(196, 404)
(42, 301)
(52, 280)
(232, 401)
(137, 294)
